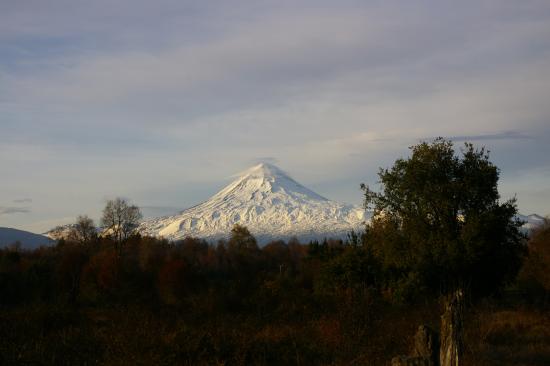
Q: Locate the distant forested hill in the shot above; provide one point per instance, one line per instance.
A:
(27, 239)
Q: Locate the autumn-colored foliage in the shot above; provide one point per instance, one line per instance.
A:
(171, 281)
(234, 303)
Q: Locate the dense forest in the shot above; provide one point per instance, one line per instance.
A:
(439, 226)
(236, 304)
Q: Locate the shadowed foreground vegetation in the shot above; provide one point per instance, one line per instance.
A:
(192, 303)
(438, 228)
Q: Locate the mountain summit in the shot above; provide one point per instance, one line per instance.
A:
(269, 203)
(263, 180)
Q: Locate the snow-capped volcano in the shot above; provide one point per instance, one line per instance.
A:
(269, 203)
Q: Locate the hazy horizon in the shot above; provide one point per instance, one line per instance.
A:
(164, 102)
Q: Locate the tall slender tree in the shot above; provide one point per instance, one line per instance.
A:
(120, 220)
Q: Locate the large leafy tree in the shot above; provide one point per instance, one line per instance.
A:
(439, 224)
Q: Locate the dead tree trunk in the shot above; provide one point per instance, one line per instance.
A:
(451, 344)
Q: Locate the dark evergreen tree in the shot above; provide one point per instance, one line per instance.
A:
(439, 224)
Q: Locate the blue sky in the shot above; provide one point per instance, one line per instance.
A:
(162, 102)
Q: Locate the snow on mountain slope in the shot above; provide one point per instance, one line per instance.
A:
(269, 203)
(59, 232)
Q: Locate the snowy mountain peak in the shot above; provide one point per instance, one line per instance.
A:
(263, 182)
(265, 170)
(269, 202)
